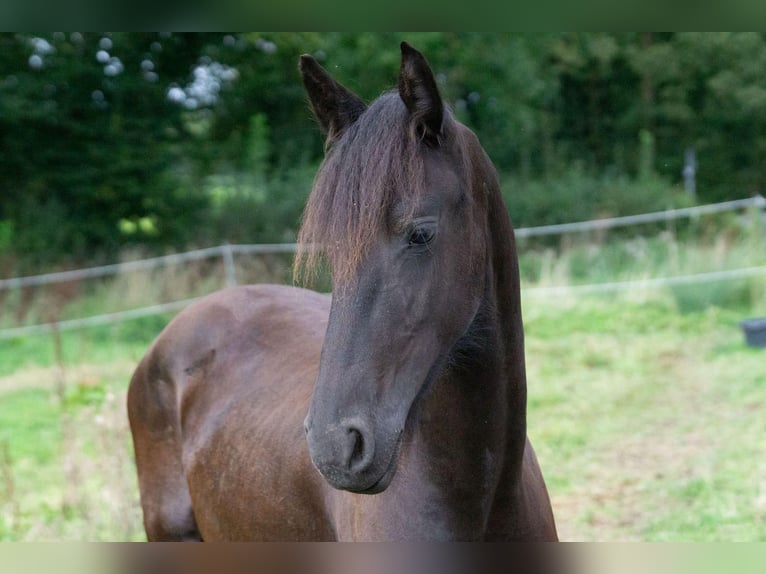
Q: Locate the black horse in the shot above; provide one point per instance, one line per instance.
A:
(412, 375)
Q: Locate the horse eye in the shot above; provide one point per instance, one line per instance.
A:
(421, 236)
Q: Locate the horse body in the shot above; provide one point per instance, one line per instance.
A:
(412, 375)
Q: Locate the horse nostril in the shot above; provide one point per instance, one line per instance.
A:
(359, 449)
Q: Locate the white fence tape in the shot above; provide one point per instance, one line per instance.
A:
(222, 250)
(656, 282)
(226, 252)
(105, 319)
(667, 215)
(142, 264)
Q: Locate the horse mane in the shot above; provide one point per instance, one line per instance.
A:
(365, 173)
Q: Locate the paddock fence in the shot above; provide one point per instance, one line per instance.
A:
(226, 254)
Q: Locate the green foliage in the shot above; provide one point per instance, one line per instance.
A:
(6, 235)
(647, 155)
(724, 294)
(575, 195)
(89, 138)
(163, 140)
(252, 208)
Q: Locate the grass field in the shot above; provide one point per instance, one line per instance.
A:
(648, 423)
(646, 409)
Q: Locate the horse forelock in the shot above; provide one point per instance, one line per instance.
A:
(365, 174)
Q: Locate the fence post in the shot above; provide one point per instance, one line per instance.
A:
(689, 173)
(228, 265)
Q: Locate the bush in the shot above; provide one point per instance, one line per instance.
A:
(251, 209)
(578, 196)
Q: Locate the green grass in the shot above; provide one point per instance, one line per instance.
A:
(67, 473)
(103, 344)
(66, 468)
(645, 408)
(26, 425)
(648, 421)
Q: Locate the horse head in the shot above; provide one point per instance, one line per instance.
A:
(399, 209)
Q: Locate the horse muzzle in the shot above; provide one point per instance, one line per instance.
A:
(349, 456)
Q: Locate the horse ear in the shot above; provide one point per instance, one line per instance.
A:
(334, 106)
(417, 88)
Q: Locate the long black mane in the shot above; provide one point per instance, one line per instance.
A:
(376, 162)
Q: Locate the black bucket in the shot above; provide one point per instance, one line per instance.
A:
(755, 331)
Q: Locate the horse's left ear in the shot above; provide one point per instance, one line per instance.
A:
(417, 88)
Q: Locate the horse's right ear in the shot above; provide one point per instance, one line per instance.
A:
(418, 90)
(334, 106)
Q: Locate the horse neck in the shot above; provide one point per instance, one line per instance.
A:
(487, 376)
(500, 312)
(502, 299)
(494, 383)
(464, 450)
(472, 431)
(503, 293)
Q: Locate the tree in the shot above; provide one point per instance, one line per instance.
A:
(113, 139)
(89, 138)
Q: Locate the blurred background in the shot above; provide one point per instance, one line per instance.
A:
(111, 141)
(172, 158)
